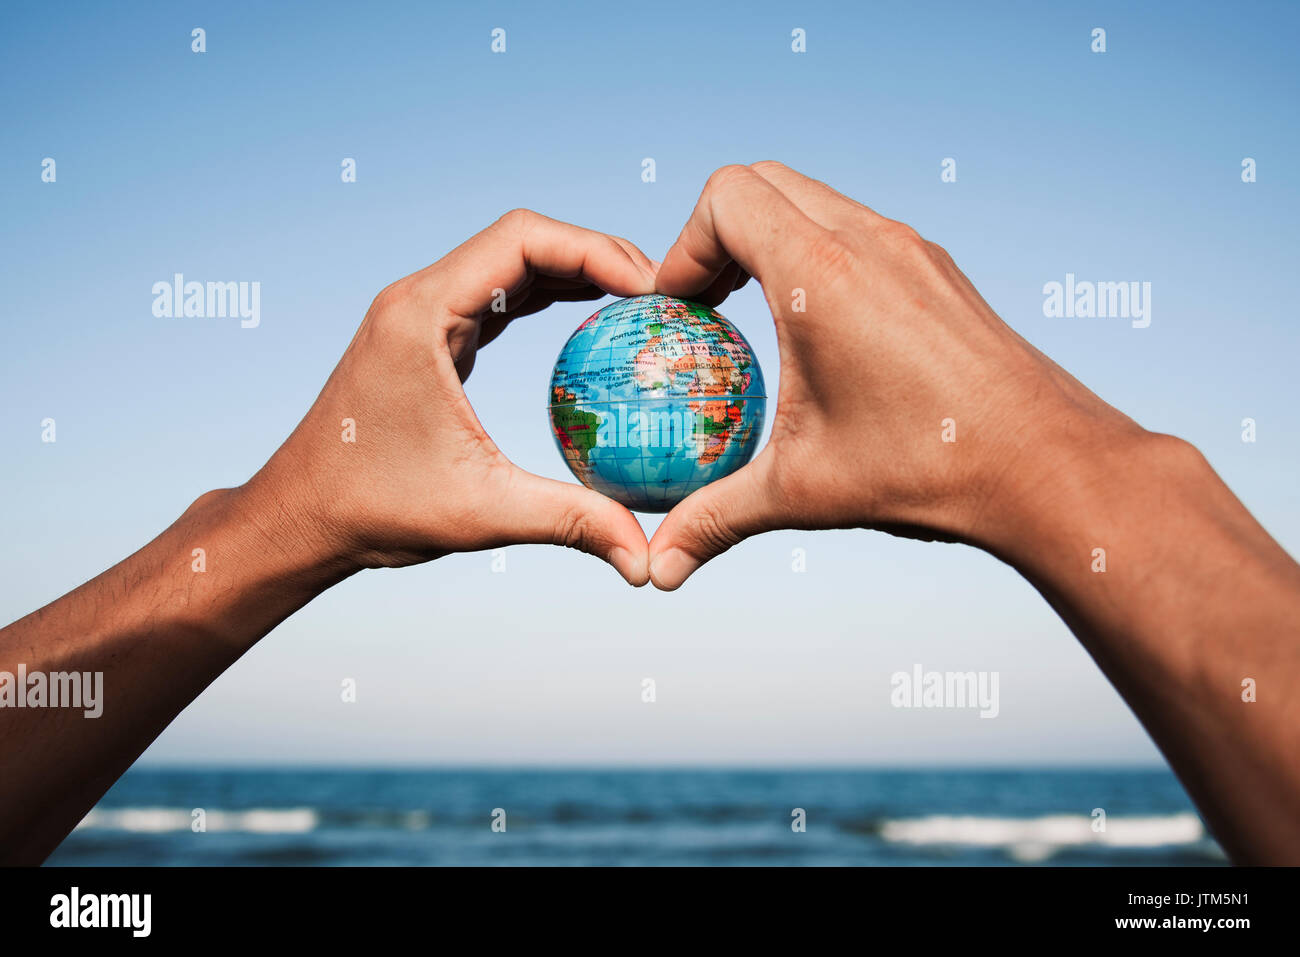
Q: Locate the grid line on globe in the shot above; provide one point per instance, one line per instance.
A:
(653, 398)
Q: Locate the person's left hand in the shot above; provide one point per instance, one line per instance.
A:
(422, 478)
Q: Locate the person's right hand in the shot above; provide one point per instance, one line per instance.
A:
(892, 356)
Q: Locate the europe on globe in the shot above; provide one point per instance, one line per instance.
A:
(655, 397)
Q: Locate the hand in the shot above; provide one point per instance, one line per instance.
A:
(895, 356)
(422, 478)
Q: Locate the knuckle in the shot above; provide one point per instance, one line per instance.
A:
(713, 533)
(725, 177)
(938, 252)
(573, 528)
(900, 235)
(768, 166)
(833, 255)
(619, 245)
(517, 219)
(391, 300)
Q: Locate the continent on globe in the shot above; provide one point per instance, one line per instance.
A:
(655, 397)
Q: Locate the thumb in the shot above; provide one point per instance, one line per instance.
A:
(543, 511)
(707, 523)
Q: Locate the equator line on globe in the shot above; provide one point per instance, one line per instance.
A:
(655, 397)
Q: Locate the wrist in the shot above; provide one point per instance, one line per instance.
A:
(259, 562)
(1075, 486)
(288, 515)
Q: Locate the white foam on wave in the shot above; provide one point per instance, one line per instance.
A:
(160, 820)
(1038, 838)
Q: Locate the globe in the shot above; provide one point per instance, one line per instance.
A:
(655, 397)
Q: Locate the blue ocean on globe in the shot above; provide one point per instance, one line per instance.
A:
(653, 398)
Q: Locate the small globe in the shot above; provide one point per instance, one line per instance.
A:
(655, 397)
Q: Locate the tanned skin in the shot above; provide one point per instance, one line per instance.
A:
(1195, 599)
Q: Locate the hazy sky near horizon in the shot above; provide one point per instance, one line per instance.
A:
(225, 166)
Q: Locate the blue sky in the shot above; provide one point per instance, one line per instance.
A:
(225, 166)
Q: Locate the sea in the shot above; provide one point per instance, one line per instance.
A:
(643, 817)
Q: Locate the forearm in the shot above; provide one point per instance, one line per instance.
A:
(160, 627)
(1194, 599)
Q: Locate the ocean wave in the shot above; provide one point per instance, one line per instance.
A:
(161, 820)
(1024, 839)
(1039, 838)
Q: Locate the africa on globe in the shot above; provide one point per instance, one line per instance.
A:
(655, 397)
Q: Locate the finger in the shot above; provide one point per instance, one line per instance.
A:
(525, 300)
(540, 298)
(819, 202)
(708, 522)
(538, 510)
(637, 256)
(537, 299)
(721, 287)
(521, 243)
(556, 282)
(740, 216)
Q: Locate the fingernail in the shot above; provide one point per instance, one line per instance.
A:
(669, 569)
(630, 566)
